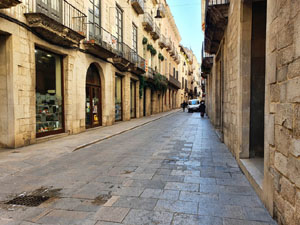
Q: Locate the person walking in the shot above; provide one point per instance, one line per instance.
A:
(183, 105)
(202, 108)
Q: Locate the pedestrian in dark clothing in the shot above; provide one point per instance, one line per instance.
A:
(183, 105)
(202, 108)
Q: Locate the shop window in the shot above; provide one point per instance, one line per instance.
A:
(118, 98)
(49, 96)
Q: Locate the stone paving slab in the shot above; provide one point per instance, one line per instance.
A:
(173, 171)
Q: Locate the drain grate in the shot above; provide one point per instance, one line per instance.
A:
(28, 200)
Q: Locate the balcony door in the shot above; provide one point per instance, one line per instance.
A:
(119, 24)
(94, 20)
(51, 8)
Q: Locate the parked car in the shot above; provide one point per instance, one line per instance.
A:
(193, 105)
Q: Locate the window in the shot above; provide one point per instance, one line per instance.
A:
(119, 24)
(49, 95)
(94, 19)
(134, 38)
(174, 73)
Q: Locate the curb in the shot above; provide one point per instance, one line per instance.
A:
(121, 132)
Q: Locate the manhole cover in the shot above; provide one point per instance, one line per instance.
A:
(28, 200)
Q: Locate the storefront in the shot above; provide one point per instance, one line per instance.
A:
(132, 99)
(49, 93)
(93, 109)
(118, 98)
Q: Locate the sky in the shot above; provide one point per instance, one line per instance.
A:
(187, 15)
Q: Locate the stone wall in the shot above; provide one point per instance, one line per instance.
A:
(282, 135)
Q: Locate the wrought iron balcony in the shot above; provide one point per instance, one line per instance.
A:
(169, 44)
(207, 62)
(174, 82)
(100, 42)
(138, 65)
(4, 4)
(124, 58)
(148, 22)
(162, 41)
(162, 10)
(172, 52)
(60, 23)
(216, 19)
(155, 32)
(138, 6)
(150, 73)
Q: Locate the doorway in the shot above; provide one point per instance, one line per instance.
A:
(132, 99)
(257, 100)
(93, 110)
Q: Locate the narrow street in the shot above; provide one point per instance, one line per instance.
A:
(171, 171)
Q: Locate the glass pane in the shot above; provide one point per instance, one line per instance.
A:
(118, 98)
(49, 107)
(132, 99)
(96, 104)
(87, 108)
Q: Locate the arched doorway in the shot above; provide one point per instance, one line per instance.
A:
(93, 109)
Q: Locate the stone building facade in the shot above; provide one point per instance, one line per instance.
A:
(67, 66)
(251, 65)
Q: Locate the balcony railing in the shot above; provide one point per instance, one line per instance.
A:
(217, 2)
(169, 44)
(150, 73)
(207, 61)
(100, 42)
(64, 25)
(173, 81)
(162, 41)
(172, 52)
(148, 22)
(216, 18)
(138, 63)
(66, 14)
(162, 10)
(4, 4)
(138, 6)
(125, 52)
(155, 32)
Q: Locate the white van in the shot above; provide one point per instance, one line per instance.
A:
(193, 105)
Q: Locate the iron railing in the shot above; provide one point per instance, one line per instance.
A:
(162, 9)
(138, 61)
(162, 40)
(150, 73)
(214, 3)
(61, 11)
(217, 2)
(102, 37)
(156, 29)
(148, 19)
(124, 51)
(174, 81)
(205, 54)
(141, 2)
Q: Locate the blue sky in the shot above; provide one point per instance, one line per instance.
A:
(187, 15)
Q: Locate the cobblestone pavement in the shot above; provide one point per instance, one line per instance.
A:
(171, 171)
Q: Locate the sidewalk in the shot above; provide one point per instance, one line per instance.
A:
(42, 153)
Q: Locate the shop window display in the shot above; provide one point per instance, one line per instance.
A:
(49, 98)
(118, 98)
